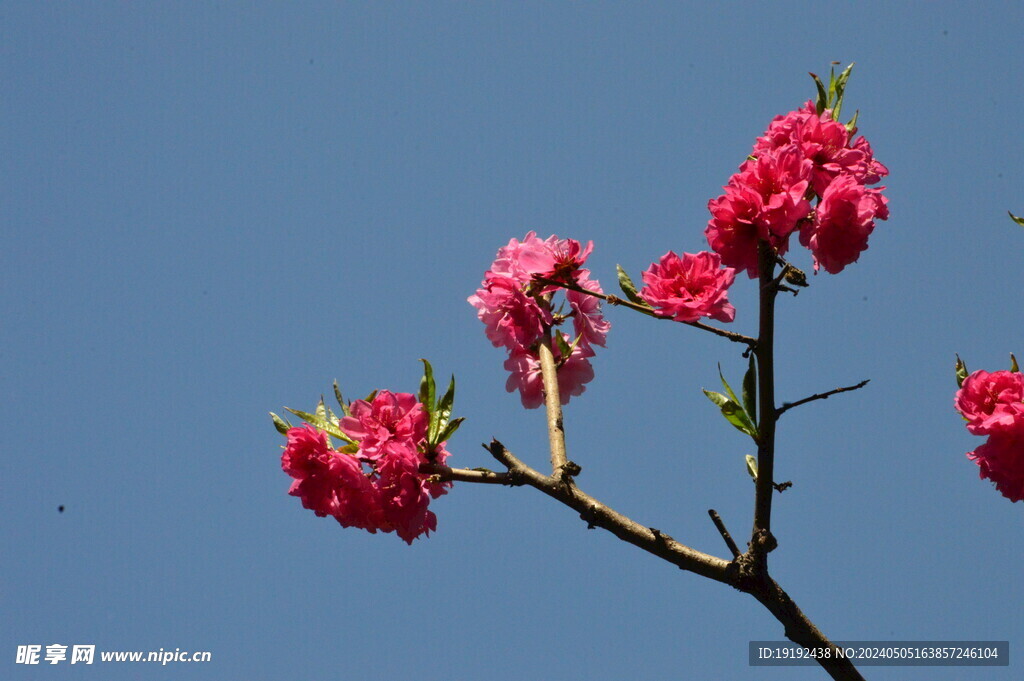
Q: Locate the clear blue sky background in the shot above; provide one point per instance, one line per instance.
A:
(213, 211)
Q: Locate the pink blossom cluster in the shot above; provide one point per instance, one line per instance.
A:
(802, 156)
(379, 485)
(689, 287)
(518, 311)
(993, 406)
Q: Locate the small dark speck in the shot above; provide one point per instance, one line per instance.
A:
(945, 33)
(865, 297)
(999, 175)
(60, 509)
(206, 292)
(310, 61)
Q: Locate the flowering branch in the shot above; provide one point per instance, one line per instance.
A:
(786, 406)
(761, 540)
(615, 300)
(480, 475)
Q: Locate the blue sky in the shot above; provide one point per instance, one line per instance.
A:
(214, 211)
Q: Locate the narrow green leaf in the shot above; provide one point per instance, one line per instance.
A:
(629, 288)
(852, 125)
(427, 387)
(321, 423)
(750, 389)
(733, 413)
(349, 449)
(728, 389)
(1013, 364)
(439, 419)
(321, 409)
(450, 429)
(841, 91)
(1017, 219)
(752, 466)
(822, 102)
(831, 86)
(341, 400)
(280, 424)
(563, 348)
(369, 398)
(961, 371)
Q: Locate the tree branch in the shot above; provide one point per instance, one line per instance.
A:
(553, 406)
(643, 309)
(761, 540)
(786, 406)
(720, 526)
(478, 475)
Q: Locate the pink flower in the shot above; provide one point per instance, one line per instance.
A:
(992, 402)
(735, 228)
(559, 261)
(390, 417)
(843, 221)
(689, 287)
(403, 494)
(1001, 460)
(573, 375)
(508, 262)
(514, 319)
(780, 178)
(587, 320)
(329, 482)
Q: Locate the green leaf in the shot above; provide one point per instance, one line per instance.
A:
(750, 389)
(439, 419)
(427, 387)
(629, 288)
(840, 91)
(733, 413)
(852, 125)
(280, 424)
(563, 348)
(341, 400)
(1013, 364)
(752, 467)
(822, 102)
(1018, 220)
(349, 449)
(369, 398)
(321, 409)
(322, 424)
(728, 389)
(961, 371)
(450, 429)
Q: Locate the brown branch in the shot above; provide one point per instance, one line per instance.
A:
(596, 514)
(553, 406)
(643, 309)
(761, 540)
(786, 406)
(720, 526)
(478, 475)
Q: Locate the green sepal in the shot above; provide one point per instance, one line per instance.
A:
(280, 424)
(629, 288)
(733, 413)
(750, 389)
(1017, 219)
(822, 103)
(563, 348)
(961, 371)
(1013, 364)
(341, 400)
(371, 396)
(427, 387)
(752, 467)
(322, 424)
(350, 449)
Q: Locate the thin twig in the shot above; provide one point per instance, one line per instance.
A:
(761, 539)
(643, 309)
(720, 526)
(553, 405)
(786, 406)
